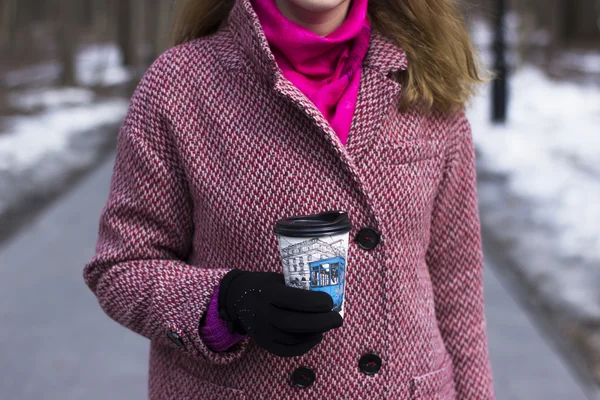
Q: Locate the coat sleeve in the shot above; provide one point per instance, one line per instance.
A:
(138, 272)
(455, 261)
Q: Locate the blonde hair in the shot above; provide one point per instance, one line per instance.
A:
(443, 67)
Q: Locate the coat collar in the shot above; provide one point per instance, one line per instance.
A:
(382, 55)
(377, 92)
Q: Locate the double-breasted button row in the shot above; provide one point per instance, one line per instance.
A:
(304, 376)
(368, 238)
(370, 363)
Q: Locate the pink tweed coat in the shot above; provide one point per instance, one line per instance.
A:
(217, 145)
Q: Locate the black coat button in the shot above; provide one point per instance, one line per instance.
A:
(367, 238)
(303, 377)
(370, 363)
(175, 338)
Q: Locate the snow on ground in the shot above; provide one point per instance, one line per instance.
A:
(101, 65)
(25, 141)
(37, 150)
(550, 151)
(550, 147)
(32, 99)
(587, 62)
(98, 64)
(63, 131)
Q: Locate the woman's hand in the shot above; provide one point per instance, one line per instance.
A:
(285, 321)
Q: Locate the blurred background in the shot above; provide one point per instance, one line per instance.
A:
(67, 71)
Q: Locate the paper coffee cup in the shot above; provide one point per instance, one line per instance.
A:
(314, 253)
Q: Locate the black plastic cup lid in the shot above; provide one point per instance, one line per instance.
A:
(322, 224)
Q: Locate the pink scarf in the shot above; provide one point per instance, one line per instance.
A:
(326, 69)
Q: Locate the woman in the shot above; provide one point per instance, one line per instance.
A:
(267, 109)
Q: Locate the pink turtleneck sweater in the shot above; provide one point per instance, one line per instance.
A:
(327, 70)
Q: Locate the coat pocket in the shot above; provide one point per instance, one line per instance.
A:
(177, 383)
(199, 389)
(410, 151)
(435, 385)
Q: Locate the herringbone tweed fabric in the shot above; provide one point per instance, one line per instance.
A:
(217, 146)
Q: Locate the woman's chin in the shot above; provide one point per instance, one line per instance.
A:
(315, 6)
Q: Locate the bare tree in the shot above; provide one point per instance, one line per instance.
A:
(67, 40)
(528, 24)
(100, 18)
(163, 26)
(130, 31)
(138, 25)
(150, 29)
(9, 24)
(124, 14)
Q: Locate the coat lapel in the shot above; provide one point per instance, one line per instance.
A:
(377, 91)
(376, 94)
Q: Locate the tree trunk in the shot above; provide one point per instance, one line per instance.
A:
(100, 17)
(124, 14)
(67, 41)
(555, 24)
(163, 38)
(138, 23)
(150, 31)
(8, 38)
(569, 22)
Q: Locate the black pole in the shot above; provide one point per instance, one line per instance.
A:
(499, 87)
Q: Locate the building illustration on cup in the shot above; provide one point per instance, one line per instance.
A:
(314, 253)
(316, 264)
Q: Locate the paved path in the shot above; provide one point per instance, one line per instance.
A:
(56, 343)
(525, 366)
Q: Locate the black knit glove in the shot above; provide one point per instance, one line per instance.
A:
(285, 321)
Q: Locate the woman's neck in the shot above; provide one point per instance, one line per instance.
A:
(316, 16)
